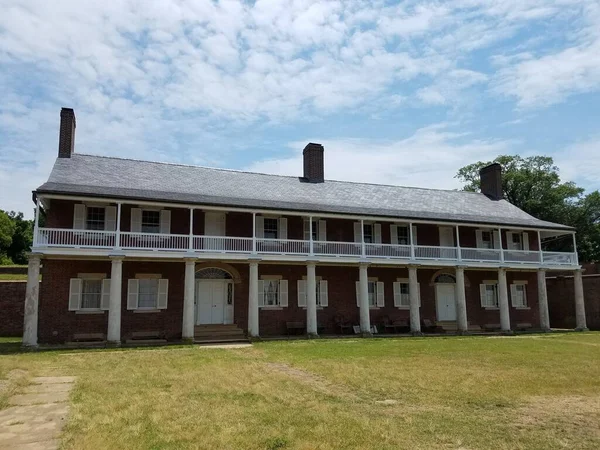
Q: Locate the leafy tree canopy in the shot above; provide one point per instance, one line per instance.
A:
(16, 235)
(534, 185)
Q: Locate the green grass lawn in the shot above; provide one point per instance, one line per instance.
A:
(523, 392)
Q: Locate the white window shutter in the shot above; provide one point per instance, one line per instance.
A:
(136, 220)
(105, 301)
(261, 293)
(496, 235)
(260, 227)
(324, 293)
(394, 234)
(322, 230)
(163, 293)
(479, 238)
(75, 294)
(306, 229)
(377, 228)
(133, 287)
(397, 294)
(301, 294)
(358, 294)
(414, 234)
(380, 294)
(483, 295)
(165, 221)
(282, 231)
(283, 293)
(514, 294)
(525, 240)
(79, 216)
(110, 222)
(357, 232)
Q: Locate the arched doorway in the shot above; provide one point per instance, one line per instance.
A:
(214, 296)
(445, 297)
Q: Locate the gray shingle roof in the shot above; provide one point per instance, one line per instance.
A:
(145, 180)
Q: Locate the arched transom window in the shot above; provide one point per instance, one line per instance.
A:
(213, 273)
(445, 278)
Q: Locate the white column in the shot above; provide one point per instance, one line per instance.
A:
(191, 234)
(501, 245)
(253, 300)
(363, 290)
(311, 299)
(118, 227)
(412, 241)
(579, 302)
(461, 301)
(36, 224)
(541, 254)
(543, 300)
(458, 251)
(362, 239)
(413, 294)
(503, 301)
(113, 335)
(310, 236)
(254, 233)
(187, 327)
(30, 322)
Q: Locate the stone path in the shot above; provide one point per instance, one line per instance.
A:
(36, 415)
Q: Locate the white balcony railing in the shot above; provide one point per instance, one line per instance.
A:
(55, 237)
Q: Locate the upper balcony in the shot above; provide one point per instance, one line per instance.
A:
(211, 233)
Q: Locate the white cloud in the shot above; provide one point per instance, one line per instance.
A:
(429, 158)
(581, 161)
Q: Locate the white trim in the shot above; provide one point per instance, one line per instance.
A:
(294, 212)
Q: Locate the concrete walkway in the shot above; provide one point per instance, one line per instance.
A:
(37, 415)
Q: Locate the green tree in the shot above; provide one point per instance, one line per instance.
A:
(7, 230)
(16, 236)
(534, 185)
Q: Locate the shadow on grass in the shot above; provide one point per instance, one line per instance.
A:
(10, 345)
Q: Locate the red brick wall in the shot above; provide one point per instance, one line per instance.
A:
(561, 301)
(12, 301)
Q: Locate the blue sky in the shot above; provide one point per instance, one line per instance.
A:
(397, 92)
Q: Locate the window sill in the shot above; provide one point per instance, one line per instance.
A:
(318, 307)
(272, 308)
(490, 308)
(522, 307)
(144, 311)
(374, 307)
(89, 311)
(404, 307)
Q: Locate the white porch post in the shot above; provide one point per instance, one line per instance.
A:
(310, 235)
(118, 227)
(413, 297)
(253, 330)
(253, 236)
(501, 246)
(363, 289)
(362, 239)
(187, 327)
(311, 299)
(543, 300)
(503, 301)
(461, 301)
(576, 255)
(191, 235)
(458, 251)
(579, 302)
(30, 321)
(113, 336)
(541, 255)
(412, 241)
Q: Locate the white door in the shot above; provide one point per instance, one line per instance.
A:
(211, 301)
(445, 301)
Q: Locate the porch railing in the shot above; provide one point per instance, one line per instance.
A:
(62, 237)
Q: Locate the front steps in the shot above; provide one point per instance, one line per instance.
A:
(213, 334)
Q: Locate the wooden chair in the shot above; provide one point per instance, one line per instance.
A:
(345, 326)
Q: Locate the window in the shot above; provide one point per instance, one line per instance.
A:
(487, 239)
(95, 217)
(372, 293)
(320, 291)
(271, 227)
(368, 233)
(271, 292)
(517, 241)
(91, 294)
(489, 295)
(403, 235)
(150, 221)
(518, 293)
(148, 293)
(404, 297)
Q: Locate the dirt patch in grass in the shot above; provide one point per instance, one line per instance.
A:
(571, 414)
(315, 381)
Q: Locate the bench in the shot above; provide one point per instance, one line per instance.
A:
(491, 327)
(524, 326)
(397, 326)
(295, 327)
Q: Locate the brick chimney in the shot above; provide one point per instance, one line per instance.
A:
(313, 163)
(491, 181)
(66, 136)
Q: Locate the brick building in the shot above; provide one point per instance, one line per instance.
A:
(136, 246)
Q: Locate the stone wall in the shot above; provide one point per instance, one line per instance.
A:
(12, 301)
